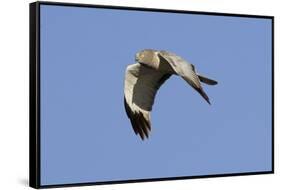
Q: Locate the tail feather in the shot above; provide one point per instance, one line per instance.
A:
(207, 80)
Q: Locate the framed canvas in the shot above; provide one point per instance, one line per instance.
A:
(123, 94)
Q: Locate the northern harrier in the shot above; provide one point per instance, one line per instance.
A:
(144, 78)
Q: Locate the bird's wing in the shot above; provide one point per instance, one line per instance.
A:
(183, 69)
(141, 85)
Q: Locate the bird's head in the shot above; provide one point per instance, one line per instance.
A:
(145, 56)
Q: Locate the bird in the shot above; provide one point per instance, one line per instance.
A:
(143, 79)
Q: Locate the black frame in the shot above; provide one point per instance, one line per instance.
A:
(34, 93)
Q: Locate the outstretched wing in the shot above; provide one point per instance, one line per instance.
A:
(185, 70)
(141, 85)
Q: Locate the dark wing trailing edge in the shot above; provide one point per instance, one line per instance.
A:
(141, 85)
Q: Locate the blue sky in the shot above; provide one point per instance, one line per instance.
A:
(85, 133)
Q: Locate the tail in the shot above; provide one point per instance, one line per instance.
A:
(207, 80)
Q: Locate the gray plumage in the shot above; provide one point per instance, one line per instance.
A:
(144, 78)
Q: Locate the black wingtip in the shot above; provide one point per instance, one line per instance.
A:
(141, 136)
(204, 95)
(140, 125)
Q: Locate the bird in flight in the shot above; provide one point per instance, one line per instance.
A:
(144, 78)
